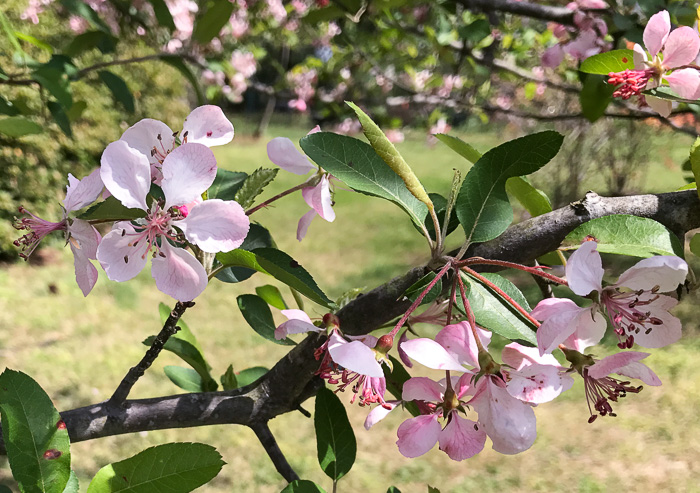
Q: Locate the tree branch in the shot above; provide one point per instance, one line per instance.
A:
(561, 15)
(292, 379)
(169, 328)
(262, 431)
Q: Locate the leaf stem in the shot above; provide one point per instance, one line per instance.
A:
(536, 271)
(276, 197)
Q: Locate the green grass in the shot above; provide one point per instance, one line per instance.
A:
(79, 349)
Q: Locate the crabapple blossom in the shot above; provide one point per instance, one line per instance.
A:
(669, 51)
(317, 195)
(213, 225)
(600, 387)
(82, 237)
(637, 311)
(155, 140)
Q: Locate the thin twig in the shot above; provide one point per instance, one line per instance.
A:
(267, 440)
(169, 328)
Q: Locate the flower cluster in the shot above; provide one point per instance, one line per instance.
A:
(669, 53)
(181, 167)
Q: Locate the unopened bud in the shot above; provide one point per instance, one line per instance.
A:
(385, 343)
(331, 320)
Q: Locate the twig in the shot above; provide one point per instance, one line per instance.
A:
(169, 328)
(562, 15)
(267, 440)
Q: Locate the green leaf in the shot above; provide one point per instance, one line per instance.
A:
(254, 185)
(627, 235)
(209, 23)
(695, 245)
(595, 96)
(60, 117)
(185, 378)
(348, 296)
(190, 355)
(11, 34)
(250, 375)
(668, 94)
(172, 467)
(610, 61)
(356, 164)
(534, 201)
(433, 489)
(271, 294)
(482, 206)
(258, 237)
(163, 15)
(393, 489)
(42, 45)
(387, 151)
(395, 378)
(82, 9)
(8, 108)
(335, 440)
(72, 486)
(18, 126)
(228, 379)
(695, 160)
(90, 40)
(419, 286)
(36, 438)
(226, 184)
(303, 486)
(56, 82)
(258, 315)
(5, 489)
(176, 62)
(120, 91)
(280, 266)
(494, 313)
(460, 147)
(440, 204)
(111, 209)
(76, 111)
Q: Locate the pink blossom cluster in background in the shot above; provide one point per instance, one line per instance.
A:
(302, 81)
(585, 39)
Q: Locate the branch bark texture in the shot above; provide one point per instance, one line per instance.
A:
(292, 379)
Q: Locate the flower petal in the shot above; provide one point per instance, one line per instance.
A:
(187, 172)
(298, 323)
(319, 199)
(85, 272)
(640, 57)
(304, 223)
(569, 319)
(83, 192)
(656, 32)
(538, 383)
(553, 56)
(518, 356)
(284, 154)
(209, 126)
(121, 260)
(664, 271)
(178, 273)
(354, 356)
(418, 435)
(126, 174)
(685, 82)
(147, 134)
(459, 341)
(624, 363)
(431, 354)
(461, 438)
(665, 333)
(215, 225)
(584, 270)
(379, 413)
(662, 106)
(86, 236)
(402, 354)
(509, 422)
(681, 47)
(422, 389)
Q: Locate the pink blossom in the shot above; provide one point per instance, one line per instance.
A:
(460, 438)
(317, 194)
(668, 50)
(155, 140)
(244, 63)
(298, 322)
(82, 237)
(532, 377)
(394, 135)
(213, 225)
(637, 312)
(276, 9)
(507, 420)
(601, 388)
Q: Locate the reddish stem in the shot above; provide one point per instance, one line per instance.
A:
(537, 271)
(417, 303)
(453, 298)
(276, 197)
(502, 294)
(470, 313)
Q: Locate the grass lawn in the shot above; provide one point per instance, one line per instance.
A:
(78, 350)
